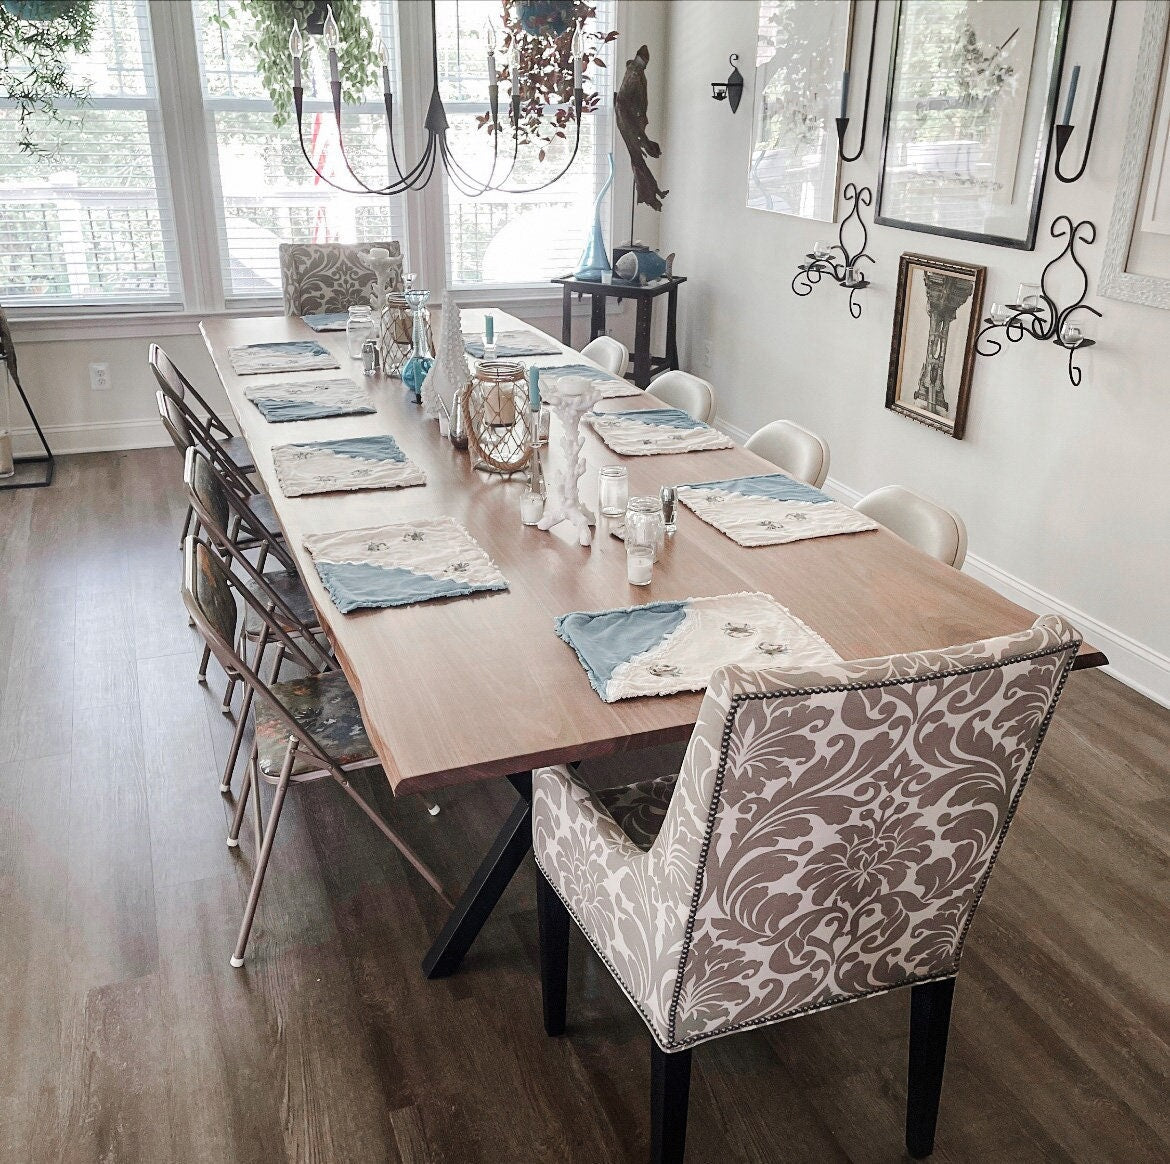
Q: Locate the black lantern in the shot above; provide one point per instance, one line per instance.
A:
(730, 90)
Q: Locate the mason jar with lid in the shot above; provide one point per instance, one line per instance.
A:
(358, 328)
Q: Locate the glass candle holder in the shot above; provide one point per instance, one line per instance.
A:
(822, 248)
(999, 313)
(359, 327)
(1028, 295)
(613, 490)
(643, 536)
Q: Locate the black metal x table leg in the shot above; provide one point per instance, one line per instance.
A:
(495, 871)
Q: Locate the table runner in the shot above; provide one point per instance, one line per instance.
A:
(510, 344)
(287, 356)
(612, 387)
(371, 462)
(309, 399)
(403, 563)
(327, 320)
(770, 509)
(645, 431)
(666, 647)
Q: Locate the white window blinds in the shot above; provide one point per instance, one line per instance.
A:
(265, 192)
(502, 238)
(87, 222)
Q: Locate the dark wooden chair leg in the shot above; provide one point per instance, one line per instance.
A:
(670, 1090)
(554, 920)
(930, 1019)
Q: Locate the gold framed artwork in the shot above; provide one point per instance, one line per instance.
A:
(936, 319)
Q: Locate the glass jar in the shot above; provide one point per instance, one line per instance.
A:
(613, 490)
(643, 536)
(359, 327)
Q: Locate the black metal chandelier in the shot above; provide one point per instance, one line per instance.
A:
(435, 123)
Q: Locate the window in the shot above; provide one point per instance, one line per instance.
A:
(501, 238)
(89, 222)
(265, 193)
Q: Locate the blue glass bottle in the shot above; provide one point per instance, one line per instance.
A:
(421, 358)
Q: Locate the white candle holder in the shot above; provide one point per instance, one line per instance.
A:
(570, 397)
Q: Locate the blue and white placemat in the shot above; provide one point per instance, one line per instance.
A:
(611, 386)
(395, 565)
(287, 356)
(310, 399)
(370, 462)
(770, 509)
(327, 320)
(643, 431)
(510, 344)
(665, 647)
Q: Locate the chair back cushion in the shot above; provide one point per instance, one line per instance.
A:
(850, 818)
(329, 277)
(931, 527)
(800, 453)
(609, 353)
(682, 390)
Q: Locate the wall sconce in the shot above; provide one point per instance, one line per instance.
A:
(1037, 313)
(1064, 129)
(847, 272)
(730, 90)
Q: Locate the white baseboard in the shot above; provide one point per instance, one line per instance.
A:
(1133, 663)
(97, 436)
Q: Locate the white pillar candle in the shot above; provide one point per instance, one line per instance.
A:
(639, 566)
(531, 508)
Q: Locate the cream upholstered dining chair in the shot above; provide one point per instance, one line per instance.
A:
(308, 728)
(931, 527)
(610, 354)
(330, 277)
(829, 837)
(682, 390)
(800, 453)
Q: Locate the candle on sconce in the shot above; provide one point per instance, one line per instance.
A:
(332, 40)
(296, 47)
(1073, 80)
(577, 54)
(384, 53)
(845, 93)
(822, 249)
(999, 313)
(1071, 335)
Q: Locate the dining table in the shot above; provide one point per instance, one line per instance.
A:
(467, 689)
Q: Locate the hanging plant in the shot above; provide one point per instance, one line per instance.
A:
(36, 40)
(542, 31)
(266, 24)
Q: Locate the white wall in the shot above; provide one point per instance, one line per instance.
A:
(1066, 491)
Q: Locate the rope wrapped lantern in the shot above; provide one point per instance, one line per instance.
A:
(495, 416)
(397, 332)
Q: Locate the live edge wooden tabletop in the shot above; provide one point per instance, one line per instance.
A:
(474, 688)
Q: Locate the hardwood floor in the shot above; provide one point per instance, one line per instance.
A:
(126, 1036)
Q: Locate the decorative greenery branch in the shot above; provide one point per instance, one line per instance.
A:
(35, 43)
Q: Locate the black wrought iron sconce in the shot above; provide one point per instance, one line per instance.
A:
(842, 122)
(730, 90)
(1037, 314)
(1064, 130)
(846, 271)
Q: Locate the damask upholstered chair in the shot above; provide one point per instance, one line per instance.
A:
(933, 528)
(829, 837)
(797, 451)
(329, 277)
(308, 728)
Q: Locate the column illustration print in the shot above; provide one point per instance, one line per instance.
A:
(944, 296)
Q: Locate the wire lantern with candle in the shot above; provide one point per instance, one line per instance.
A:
(495, 416)
(531, 101)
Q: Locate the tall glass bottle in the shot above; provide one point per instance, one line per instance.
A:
(421, 358)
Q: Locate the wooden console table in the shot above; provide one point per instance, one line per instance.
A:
(645, 364)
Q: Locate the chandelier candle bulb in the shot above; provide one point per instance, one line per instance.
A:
(577, 52)
(384, 53)
(332, 40)
(296, 47)
(845, 94)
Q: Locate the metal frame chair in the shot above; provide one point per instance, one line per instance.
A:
(212, 595)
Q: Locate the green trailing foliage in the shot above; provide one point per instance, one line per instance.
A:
(37, 38)
(267, 24)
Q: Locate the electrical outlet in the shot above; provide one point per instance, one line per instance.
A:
(99, 377)
(707, 355)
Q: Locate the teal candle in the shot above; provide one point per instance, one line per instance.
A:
(534, 388)
(489, 329)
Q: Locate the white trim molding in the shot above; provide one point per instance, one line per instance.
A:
(94, 436)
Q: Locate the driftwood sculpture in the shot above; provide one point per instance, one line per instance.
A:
(630, 107)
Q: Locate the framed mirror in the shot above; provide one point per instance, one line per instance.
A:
(801, 59)
(970, 105)
(1136, 264)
